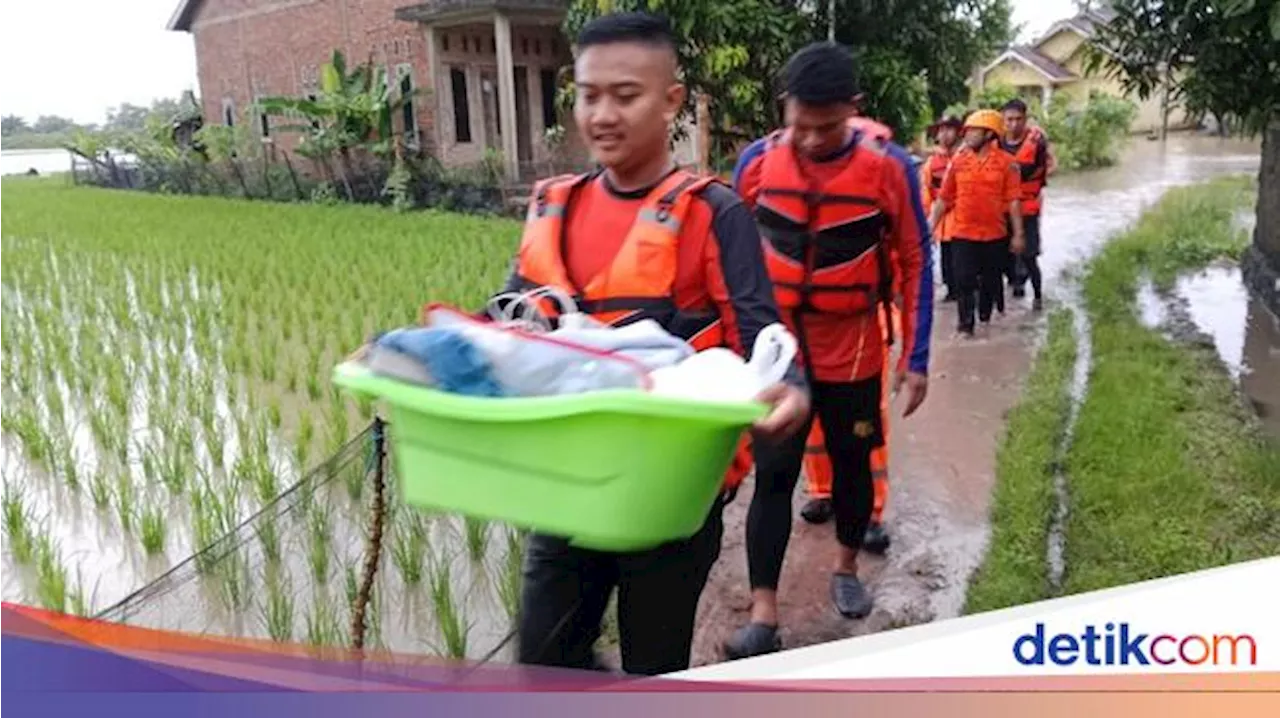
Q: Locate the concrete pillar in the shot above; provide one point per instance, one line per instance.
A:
(1046, 94)
(438, 88)
(507, 95)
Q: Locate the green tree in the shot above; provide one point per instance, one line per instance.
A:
(913, 55)
(944, 39)
(12, 125)
(49, 124)
(127, 117)
(894, 92)
(731, 51)
(1218, 57)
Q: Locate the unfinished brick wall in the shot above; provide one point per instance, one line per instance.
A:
(253, 48)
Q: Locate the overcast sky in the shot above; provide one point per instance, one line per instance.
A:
(76, 58)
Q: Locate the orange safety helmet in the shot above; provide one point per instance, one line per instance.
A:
(987, 120)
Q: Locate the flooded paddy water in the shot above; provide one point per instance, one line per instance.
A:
(156, 410)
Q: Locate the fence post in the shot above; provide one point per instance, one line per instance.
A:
(373, 550)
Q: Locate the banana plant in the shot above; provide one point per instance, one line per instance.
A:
(352, 110)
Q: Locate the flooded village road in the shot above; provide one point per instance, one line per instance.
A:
(942, 468)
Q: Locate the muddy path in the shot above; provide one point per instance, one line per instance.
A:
(942, 463)
(941, 482)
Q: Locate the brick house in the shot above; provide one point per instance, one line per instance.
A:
(490, 66)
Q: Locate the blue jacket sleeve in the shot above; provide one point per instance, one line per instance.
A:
(919, 360)
(753, 150)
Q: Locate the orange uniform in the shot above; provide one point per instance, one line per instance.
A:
(932, 172)
(978, 189)
(1031, 155)
(837, 285)
(817, 465)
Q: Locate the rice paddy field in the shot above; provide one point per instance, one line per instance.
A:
(166, 376)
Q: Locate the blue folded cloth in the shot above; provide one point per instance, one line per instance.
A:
(452, 361)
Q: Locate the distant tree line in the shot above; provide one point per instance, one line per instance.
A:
(52, 131)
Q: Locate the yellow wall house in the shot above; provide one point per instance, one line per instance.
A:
(1056, 64)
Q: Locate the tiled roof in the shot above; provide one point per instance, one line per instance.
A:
(1042, 62)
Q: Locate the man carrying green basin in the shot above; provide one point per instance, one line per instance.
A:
(640, 238)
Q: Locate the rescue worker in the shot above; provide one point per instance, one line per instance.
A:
(640, 238)
(840, 214)
(980, 188)
(1036, 163)
(946, 134)
(817, 465)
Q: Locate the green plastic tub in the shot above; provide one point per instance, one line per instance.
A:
(610, 470)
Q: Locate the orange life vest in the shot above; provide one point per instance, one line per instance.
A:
(935, 172)
(640, 281)
(1033, 174)
(825, 246)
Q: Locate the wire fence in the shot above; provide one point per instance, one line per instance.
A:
(304, 569)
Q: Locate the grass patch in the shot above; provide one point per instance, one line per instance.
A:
(1015, 570)
(1169, 472)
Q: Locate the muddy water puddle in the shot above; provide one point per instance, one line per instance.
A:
(1244, 332)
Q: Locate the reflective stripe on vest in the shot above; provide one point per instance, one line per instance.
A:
(1033, 185)
(639, 283)
(824, 246)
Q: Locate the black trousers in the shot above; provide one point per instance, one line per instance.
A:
(1027, 265)
(850, 414)
(567, 589)
(979, 272)
(948, 275)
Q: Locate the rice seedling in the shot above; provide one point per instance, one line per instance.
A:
(277, 612)
(82, 604)
(17, 524)
(451, 624)
(477, 537)
(373, 621)
(409, 548)
(206, 526)
(100, 488)
(322, 623)
(510, 582)
(273, 412)
(69, 466)
(152, 527)
(320, 530)
(51, 575)
(268, 533)
(353, 477)
(216, 443)
(313, 386)
(351, 582)
(175, 461)
(233, 579)
(125, 497)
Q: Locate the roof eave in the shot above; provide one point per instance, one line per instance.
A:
(1015, 55)
(182, 16)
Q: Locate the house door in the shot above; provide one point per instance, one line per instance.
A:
(524, 142)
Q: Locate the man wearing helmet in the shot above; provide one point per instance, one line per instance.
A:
(981, 187)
